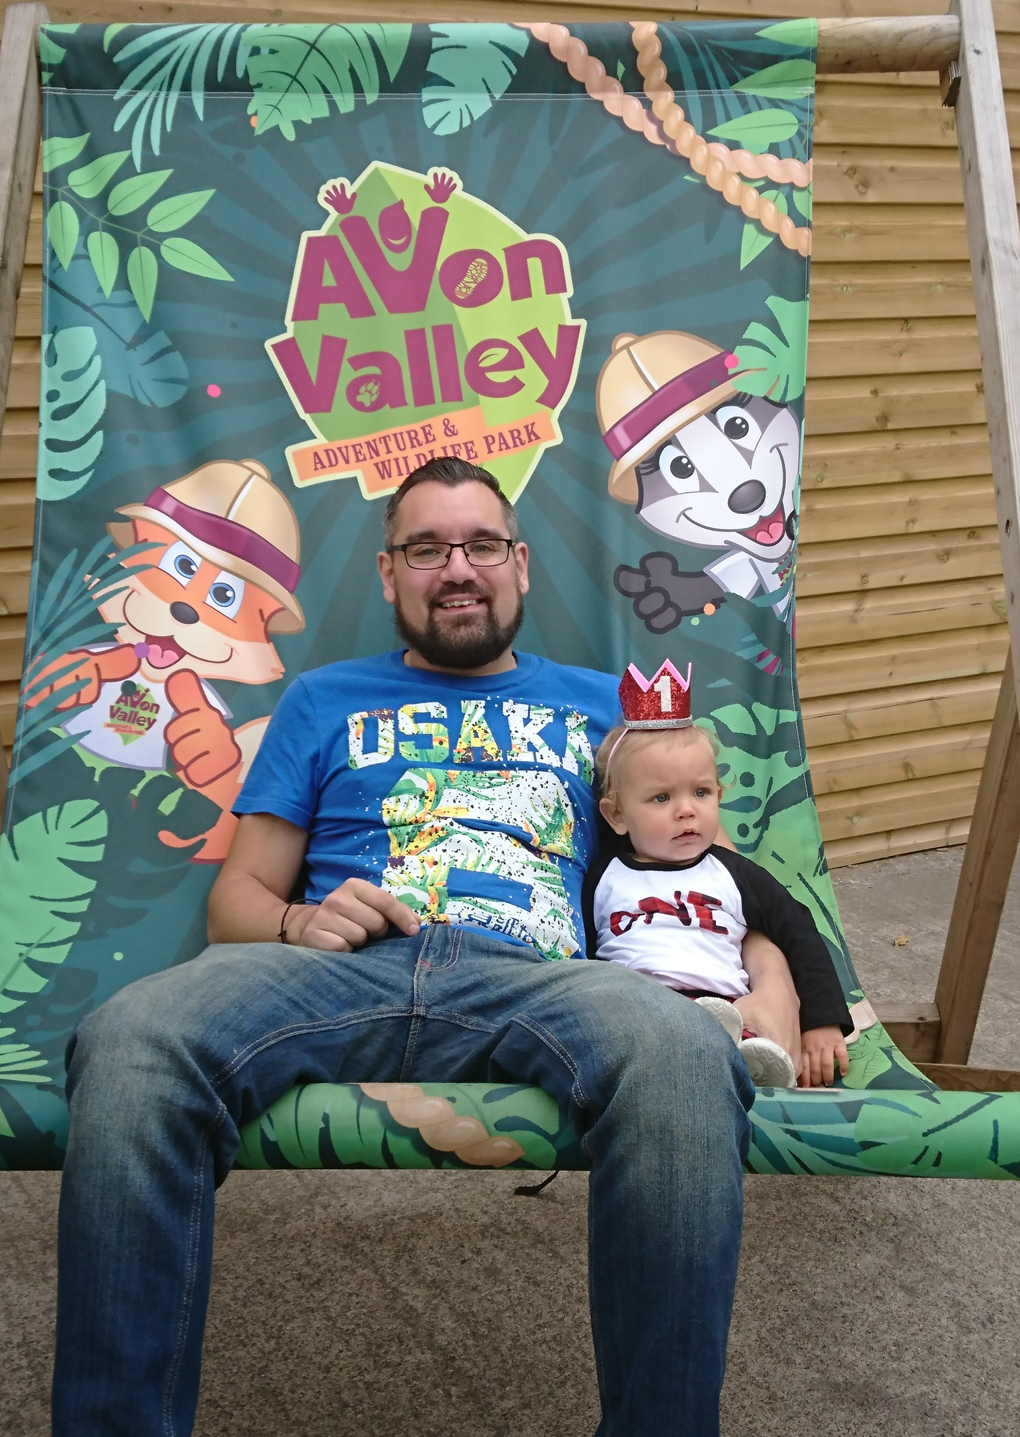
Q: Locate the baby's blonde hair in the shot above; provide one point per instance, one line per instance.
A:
(636, 741)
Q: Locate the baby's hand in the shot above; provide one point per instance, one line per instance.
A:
(820, 1049)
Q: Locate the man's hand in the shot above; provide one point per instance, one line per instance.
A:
(350, 916)
(822, 1049)
(95, 669)
(201, 742)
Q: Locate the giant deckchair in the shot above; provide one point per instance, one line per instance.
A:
(522, 138)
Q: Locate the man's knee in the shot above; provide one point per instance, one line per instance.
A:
(653, 1022)
(649, 1038)
(140, 1021)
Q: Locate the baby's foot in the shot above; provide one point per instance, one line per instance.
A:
(726, 1013)
(770, 1065)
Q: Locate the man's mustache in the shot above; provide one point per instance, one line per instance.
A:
(458, 591)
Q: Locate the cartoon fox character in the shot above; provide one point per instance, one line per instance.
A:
(221, 580)
(703, 464)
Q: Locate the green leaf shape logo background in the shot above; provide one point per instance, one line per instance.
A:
(70, 412)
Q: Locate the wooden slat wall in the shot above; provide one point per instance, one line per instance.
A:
(901, 630)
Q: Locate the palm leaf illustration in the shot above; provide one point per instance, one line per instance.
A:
(71, 412)
(165, 61)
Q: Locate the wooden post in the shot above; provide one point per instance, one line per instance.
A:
(20, 116)
(984, 879)
(994, 238)
(20, 112)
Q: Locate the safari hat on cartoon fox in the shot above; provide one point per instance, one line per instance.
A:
(232, 513)
(650, 386)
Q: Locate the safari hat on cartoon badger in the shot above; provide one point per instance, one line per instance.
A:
(232, 513)
(650, 386)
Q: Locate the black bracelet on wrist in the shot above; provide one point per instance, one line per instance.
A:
(283, 921)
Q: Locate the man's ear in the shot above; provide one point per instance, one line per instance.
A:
(521, 560)
(611, 813)
(385, 563)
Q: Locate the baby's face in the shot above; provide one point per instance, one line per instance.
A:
(667, 798)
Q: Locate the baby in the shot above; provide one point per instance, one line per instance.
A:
(678, 907)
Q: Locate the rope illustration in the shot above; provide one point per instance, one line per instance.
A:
(442, 1127)
(667, 125)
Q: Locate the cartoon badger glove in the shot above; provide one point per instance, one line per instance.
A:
(703, 464)
(220, 582)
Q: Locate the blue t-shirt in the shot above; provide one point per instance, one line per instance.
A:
(470, 799)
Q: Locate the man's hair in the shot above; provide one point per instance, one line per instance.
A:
(452, 472)
(636, 741)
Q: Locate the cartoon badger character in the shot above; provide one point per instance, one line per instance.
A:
(221, 581)
(703, 464)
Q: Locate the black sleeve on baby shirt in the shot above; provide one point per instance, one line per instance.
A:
(592, 878)
(770, 909)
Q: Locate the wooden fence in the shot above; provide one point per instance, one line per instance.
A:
(901, 628)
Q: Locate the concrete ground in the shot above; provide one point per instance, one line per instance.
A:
(411, 1305)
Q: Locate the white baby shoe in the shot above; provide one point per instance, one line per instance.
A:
(770, 1065)
(727, 1014)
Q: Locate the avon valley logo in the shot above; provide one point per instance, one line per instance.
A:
(423, 322)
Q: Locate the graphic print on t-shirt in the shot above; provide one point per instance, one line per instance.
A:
(453, 860)
(701, 904)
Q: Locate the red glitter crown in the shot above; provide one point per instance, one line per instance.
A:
(663, 701)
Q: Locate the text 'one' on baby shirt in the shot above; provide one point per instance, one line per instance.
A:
(683, 924)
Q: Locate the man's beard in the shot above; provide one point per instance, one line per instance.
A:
(465, 646)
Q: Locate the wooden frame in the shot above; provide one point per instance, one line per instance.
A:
(962, 47)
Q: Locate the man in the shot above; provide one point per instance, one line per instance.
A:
(441, 799)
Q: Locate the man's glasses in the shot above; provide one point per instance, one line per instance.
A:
(480, 553)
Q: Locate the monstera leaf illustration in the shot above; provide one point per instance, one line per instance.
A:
(475, 64)
(42, 893)
(340, 1125)
(805, 1132)
(19, 1063)
(72, 408)
(295, 70)
(137, 360)
(775, 365)
(944, 1134)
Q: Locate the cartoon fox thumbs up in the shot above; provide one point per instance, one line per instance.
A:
(201, 742)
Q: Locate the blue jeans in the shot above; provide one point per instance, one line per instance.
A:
(163, 1075)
